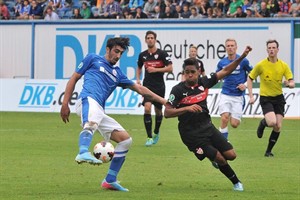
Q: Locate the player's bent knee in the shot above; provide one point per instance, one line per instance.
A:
(124, 145)
(92, 126)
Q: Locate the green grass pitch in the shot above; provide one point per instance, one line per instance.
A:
(37, 152)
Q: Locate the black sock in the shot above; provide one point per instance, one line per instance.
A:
(272, 140)
(229, 173)
(148, 124)
(158, 120)
(264, 122)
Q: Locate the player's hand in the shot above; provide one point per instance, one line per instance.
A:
(241, 87)
(286, 83)
(194, 108)
(251, 100)
(65, 113)
(247, 50)
(138, 82)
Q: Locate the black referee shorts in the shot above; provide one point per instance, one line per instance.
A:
(272, 104)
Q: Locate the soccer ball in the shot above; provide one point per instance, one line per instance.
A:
(104, 151)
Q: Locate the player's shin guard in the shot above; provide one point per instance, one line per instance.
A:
(118, 160)
(148, 124)
(272, 140)
(85, 139)
(229, 173)
(158, 120)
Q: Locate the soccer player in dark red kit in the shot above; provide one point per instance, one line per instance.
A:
(156, 62)
(187, 101)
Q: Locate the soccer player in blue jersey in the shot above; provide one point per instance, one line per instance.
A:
(232, 99)
(101, 77)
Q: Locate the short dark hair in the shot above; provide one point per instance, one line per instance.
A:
(150, 33)
(118, 41)
(273, 41)
(191, 61)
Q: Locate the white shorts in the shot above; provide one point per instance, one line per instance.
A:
(90, 111)
(231, 104)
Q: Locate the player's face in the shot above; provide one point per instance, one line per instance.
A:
(113, 55)
(150, 40)
(191, 74)
(231, 48)
(272, 49)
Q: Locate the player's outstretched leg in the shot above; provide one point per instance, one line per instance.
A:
(84, 156)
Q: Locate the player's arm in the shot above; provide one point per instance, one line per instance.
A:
(250, 86)
(65, 110)
(175, 112)
(231, 67)
(145, 92)
(138, 75)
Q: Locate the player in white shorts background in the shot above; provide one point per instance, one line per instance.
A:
(232, 99)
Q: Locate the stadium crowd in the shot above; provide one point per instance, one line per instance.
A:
(146, 9)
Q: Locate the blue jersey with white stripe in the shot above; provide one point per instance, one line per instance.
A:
(238, 76)
(100, 78)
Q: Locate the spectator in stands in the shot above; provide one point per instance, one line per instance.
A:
(18, 7)
(204, 5)
(158, 13)
(264, 11)
(139, 14)
(194, 13)
(76, 14)
(210, 13)
(4, 12)
(226, 7)
(177, 11)
(161, 4)
(64, 6)
(149, 8)
(168, 13)
(246, 5)
(233, 7)
(133, 4)
(112, 10)
(36, 11)
(186, 13)
(98, 9)
(24, 14)
(284, 7)
(249, 13)
(218, 13)
(218, 4)
(56, 4)
(240, 13)
(295, 9)
(274, 7)
(50, 14)
(126, 13)
(124, 4)
(85, 11)
(255, 6)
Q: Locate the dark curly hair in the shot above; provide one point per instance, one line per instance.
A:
(118, 41)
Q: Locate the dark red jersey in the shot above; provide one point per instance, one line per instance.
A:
(159, 59)
(182, 96)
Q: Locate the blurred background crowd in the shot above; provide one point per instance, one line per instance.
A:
(146, 9)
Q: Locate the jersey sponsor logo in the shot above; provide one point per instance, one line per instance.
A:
(195, 98)
(199, 151)
(102, 69)
(154, 63)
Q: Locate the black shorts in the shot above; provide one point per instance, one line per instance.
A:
(272, 104)
(206, 143)
(160, 91)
